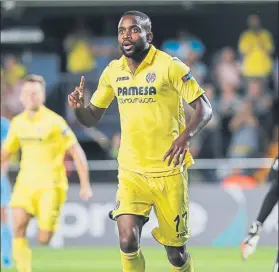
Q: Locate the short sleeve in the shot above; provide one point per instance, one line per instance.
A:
(12, 143)
(104, 94)
(68, 137)
(181, 79)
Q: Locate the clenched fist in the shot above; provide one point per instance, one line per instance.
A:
(85, 193)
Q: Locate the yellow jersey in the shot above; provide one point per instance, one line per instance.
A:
(43, 140)
(151, 109)
(256, 49)
(81, 58)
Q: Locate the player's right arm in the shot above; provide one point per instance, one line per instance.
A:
(91, 114)
(10, 145)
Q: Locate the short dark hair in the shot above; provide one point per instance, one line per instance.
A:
(142, 16)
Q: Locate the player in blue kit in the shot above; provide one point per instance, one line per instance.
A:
(6, 235)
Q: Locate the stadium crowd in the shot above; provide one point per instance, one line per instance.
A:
(242, 84)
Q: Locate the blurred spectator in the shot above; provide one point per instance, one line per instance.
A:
(261, 102)
(115, 144)
(210, 92)
(193, 52)
(259, 96)
(275, 77)
(272, 151)
(245, 133)
(105, 50)
(211, 134)
(4, 92)
(173, 48)
(206, 144)
(80, 57)
(229, 101)
(12, 71)
(256, 47)
(227, 70)
(184, 35)
(10, 103)
(211, 95)
(274, 112)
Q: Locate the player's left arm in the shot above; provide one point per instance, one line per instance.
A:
(184, 83)
(72, 146)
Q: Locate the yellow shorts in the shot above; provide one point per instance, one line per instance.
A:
(168, 196)
(44, 203)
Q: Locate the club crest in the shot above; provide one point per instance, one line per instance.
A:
(150, 77)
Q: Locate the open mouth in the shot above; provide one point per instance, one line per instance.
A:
(127, 46)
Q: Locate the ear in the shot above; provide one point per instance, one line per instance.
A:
(149, 37)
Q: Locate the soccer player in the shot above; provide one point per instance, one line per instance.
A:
(6, 236)
(41, 186)
(154, 154)
(249, 244)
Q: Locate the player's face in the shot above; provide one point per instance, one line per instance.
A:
(32, 96)
(133, 39)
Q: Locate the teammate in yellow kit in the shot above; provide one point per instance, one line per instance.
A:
(41, 186)
(149, 86)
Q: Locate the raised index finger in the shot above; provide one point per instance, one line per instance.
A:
(81, 84)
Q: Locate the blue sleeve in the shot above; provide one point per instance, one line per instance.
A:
(5, 125)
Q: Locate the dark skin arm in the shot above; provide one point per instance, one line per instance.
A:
(201, 116)
(88, 115)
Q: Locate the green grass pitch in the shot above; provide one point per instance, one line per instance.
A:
(103, 259)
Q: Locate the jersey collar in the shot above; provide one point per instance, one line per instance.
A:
(148, 59)
(37, 116)
(150, 55)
